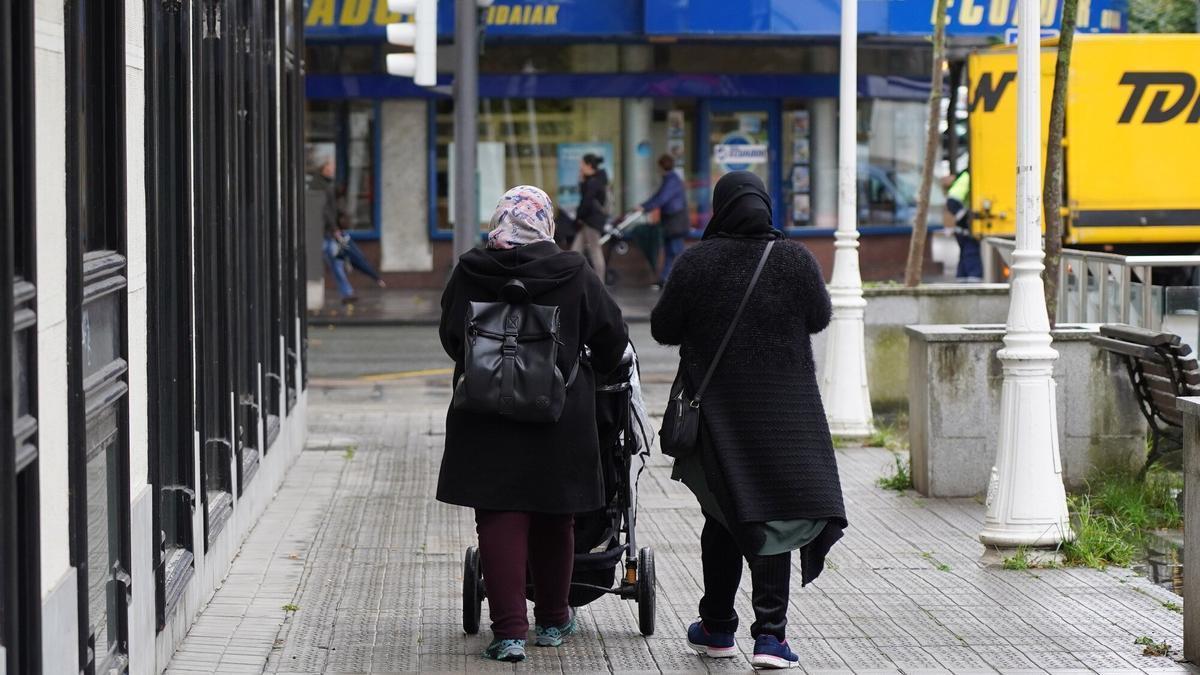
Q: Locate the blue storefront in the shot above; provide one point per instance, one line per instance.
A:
(718, 85)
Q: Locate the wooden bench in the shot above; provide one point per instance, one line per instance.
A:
(1161, 370)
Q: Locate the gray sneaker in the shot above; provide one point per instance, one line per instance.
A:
(511, 651)
(554, 635)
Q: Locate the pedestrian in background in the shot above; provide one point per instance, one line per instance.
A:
(338, 248)
(671, 201)
(525, 481)
(764, 474)
(592, 214)
(958, 217)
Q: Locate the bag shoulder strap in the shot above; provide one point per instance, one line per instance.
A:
(712, 367)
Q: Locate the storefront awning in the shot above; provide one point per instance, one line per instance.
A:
(365, 20)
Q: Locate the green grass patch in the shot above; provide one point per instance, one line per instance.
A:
(892, 435)
(1146, 505)
(1101, 539)
(1018, 561)
(291, 607)
(349, 454)
(1112, 518)
(1021, 560)
(937, 564)
(901, 477)
(1153, 648)
(1174, 607)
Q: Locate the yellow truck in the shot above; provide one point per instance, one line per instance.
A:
(1132, 141)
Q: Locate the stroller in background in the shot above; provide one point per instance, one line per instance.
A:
(605, 536)
(619, 239)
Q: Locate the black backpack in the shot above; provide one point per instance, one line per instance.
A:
(510, 364)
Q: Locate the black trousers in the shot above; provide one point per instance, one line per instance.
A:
(770, 577)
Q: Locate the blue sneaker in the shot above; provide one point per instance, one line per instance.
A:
(554, 635)
(511, 651)
(712, 645)
(769, 652)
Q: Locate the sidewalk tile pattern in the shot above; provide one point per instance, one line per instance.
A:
(373, 567)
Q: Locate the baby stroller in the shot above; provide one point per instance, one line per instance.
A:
(632, 230)
(603, 537)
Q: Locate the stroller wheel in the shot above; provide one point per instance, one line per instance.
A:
(646, 591)
(472, 591)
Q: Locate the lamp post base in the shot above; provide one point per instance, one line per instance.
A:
(843, 382)
(1026, 501)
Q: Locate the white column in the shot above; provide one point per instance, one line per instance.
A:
(637, 151)
(844, 377)
(1026, 502)
(824, 162)
(640, 178)
(404, 179)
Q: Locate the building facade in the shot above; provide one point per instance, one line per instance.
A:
(718, 85)
(151, 314)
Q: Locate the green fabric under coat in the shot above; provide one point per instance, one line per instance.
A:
(779, 536)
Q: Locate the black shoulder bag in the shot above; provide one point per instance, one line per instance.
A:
(680, 431)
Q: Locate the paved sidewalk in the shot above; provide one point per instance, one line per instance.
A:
(372, 565)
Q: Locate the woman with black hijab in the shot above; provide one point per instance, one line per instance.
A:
(765, 472)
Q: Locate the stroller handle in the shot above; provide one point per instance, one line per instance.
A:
(618, 230)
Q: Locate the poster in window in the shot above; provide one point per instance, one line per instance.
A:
(800, 153)
(676, 145)
(569, 157)
(800, 123)
(800, 209)
(800, 178)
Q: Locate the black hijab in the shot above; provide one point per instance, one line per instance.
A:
(741, 209)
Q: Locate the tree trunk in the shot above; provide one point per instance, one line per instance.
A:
(1052, 187)
(916, 246)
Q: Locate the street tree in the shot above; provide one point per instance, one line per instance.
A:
(1052, 186)
(916, 245)
(1164, 16)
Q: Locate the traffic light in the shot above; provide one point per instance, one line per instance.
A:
(420, 33)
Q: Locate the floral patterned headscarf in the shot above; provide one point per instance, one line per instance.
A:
(524, 215)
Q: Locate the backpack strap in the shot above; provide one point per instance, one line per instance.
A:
(712, 367)
(508, 356)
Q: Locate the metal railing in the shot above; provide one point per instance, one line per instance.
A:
(1095, 287)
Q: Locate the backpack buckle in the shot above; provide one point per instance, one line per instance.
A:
(509, 346)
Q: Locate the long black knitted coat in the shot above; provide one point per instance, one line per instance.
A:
(762, 411)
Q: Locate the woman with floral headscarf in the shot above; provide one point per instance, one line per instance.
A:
(525, 481)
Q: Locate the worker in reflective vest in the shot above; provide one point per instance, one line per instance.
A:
(958, 217)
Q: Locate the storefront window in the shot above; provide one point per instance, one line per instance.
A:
(892, 138)
(345, 132)
(533, 141)
(796, 161)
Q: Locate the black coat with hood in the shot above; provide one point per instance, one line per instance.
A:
(766, 446)
(498, 464)
(593, 200)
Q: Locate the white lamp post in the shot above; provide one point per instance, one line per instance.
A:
(1026, 502)
(844, 375)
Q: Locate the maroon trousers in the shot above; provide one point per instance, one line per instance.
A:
(511, 542)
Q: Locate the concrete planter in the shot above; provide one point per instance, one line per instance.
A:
(954, 403)
(891, 308)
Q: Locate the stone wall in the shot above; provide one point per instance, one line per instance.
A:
(954, 401)
(891, 308)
